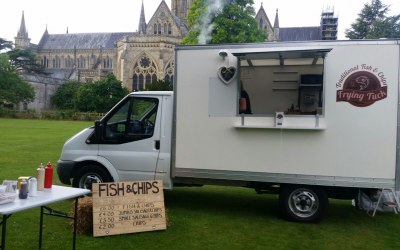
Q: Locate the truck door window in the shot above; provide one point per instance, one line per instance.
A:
(134, 120)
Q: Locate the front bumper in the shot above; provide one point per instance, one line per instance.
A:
(65, 171)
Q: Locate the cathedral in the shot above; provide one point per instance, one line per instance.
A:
(135, 58)
(327, 30)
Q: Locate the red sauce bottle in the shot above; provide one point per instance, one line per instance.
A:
(48, 175)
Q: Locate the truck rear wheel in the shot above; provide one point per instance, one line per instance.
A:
(303, 203)
(86, 176)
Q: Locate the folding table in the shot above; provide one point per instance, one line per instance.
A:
(43, 198)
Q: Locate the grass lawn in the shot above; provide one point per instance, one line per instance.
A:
(209, 217)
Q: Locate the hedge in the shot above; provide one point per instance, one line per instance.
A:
(51, 115)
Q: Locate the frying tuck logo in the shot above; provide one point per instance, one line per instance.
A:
(361, 86)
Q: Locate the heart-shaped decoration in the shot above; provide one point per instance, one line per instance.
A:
(226, 74)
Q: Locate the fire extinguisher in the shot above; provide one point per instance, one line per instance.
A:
(48, 175)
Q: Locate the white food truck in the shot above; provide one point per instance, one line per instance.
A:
(306, 120)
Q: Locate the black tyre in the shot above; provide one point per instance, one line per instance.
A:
(303, 203)
(87, 175)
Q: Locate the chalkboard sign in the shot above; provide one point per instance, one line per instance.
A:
(128, 207)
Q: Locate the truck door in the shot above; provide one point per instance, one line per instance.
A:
(131, 137)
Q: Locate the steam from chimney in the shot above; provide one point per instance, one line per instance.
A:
(205, 26)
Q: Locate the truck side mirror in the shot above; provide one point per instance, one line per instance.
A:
(98, 130)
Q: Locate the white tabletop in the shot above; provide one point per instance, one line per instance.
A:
(56, 193)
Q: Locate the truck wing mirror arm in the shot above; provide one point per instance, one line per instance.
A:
(98, 128)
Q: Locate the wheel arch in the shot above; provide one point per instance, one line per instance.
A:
(100, 162)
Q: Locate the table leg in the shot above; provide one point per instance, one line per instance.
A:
(41, 228)
(50, 211)
(3, 231)
(75, 218)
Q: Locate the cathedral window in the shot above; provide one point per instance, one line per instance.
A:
(165, 28)
(159, 28)
(107, 63)
(68, 62)
(145, 72)
(56, 62)
(93, 61)
(169, 29)
(261, 26)
(148, 79)
(169, 72)
(144, 62)
(45, 62)
(81, 62)
(155, 28)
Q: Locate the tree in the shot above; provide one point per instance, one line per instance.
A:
(85, 98)
(223, 21)
(24, 60)
(373, 23)
(237, 25)
(13, 89)
(64, 97)
(4, 44)
(109, 92)
(198, 20)
(392, 25)
(159, 85)
(100, 96)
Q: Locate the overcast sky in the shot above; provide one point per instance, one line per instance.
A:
(87, 16)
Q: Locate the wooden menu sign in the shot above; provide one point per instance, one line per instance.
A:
(128, 207)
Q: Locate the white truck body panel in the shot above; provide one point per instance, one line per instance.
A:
(348, 146)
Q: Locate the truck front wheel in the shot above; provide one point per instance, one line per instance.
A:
(303, 203)
(87, 175)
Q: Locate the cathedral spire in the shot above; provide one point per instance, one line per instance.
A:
(22, 33)
(276, 36)
(142, 21)
(276, 22)
(22, 40)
